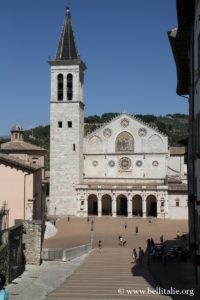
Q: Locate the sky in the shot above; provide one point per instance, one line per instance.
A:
(124, 43)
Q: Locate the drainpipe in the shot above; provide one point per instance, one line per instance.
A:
(25, 194)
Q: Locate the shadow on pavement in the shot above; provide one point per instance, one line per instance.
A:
(171, 267)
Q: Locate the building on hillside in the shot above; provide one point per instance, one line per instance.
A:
(17, 147)
(123, 168)
(185, 44)
(21, 196)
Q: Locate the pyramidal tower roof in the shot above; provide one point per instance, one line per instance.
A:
(67, 49)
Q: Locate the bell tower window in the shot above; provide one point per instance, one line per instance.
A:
(60, 87)
(69, 87)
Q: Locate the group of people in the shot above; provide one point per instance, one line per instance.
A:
(138, 257)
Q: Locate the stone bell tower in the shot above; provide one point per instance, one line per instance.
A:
(66, 123)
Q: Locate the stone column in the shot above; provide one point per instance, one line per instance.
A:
(99, 206)
(114, 206)
(166, 205)
(64, 88)
(86, 205)
(129, 206)
(144, 206)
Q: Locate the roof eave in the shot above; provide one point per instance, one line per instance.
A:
(180, 49)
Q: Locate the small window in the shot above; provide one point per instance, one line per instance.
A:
(82, 202)
(69, 87)
(59, 124)
(74, 147)
(60, 87)
(69, 124)
(162, 203)
(177, 203)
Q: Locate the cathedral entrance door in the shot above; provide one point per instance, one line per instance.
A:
(106, 205)
(151, 206)
(92, 205)
(153, 209)
(122, 206)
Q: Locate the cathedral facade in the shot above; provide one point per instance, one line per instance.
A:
(124, 168)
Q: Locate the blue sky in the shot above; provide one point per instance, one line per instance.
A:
(123, 42)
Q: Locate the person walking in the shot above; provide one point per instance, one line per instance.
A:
(141, 255)
(100, 246)
(125, 226)
(3, 291)
(178, 235)
(134, 255)
(161, 239)
(136, 230)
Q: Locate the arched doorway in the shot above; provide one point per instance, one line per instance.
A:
(151, 203)
(106, 205)
(137, 206)
(122, 205)
(92, 205)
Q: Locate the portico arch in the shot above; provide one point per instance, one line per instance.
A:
(137, 206)
(151, 203)
(106, 205)
(92, 205)
(122, 205)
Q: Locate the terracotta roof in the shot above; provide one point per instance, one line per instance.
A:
(67, 49)
(20, 146)
(8, 159)
(177, 150)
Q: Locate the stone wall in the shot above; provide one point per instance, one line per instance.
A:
(33, 232)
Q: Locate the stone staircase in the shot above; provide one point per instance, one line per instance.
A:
(109, 274)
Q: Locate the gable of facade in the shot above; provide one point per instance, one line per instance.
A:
(125, 148)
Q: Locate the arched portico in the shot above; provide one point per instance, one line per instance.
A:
(151, 204)
(137, 206)
(106, 205)
(122, 205)
(92, 205)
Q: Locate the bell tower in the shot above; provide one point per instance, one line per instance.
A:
(66, 123)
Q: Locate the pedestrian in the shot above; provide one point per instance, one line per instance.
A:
(125, 226)
(134, 255)
(161, 239)
(148, 244)
(121, 240)
(68, 218)
(100, 246)
(136, 230)
(88, 219)
(141, 255)
(3, 290)
(152, 243)
(178, 234)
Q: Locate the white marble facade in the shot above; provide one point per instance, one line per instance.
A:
(127, 165)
